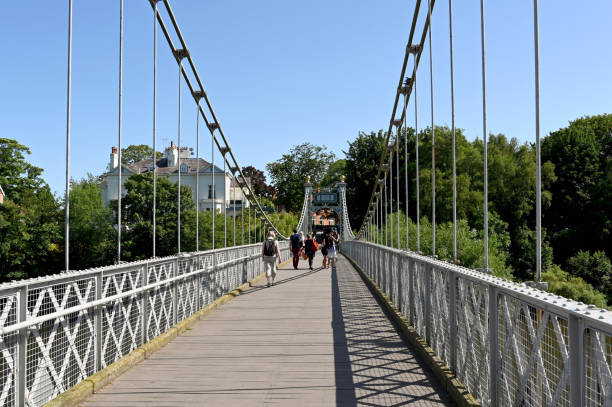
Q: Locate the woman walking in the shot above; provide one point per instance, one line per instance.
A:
(310, 247)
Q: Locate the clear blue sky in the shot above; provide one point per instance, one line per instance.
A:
(281, 73)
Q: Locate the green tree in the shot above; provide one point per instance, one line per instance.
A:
(257, 179)
(562, 283)
(579, 216)
(137, 217)
(92, 237)
(336, 170)
(595, 268)
(362, 162)
(134, 153)
(289, 173)
(17, 176)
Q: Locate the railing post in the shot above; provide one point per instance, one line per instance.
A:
(452, 319)
(245, 276)
(493, 346)
(144, 279)
(175, 291)
(98, 323)
(20, 377)
(411, 268)
(427, 310)
(198, 279)
(400, 286)
(576, 360)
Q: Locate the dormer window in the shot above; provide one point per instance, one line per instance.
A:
(183, 168)
(150, 167)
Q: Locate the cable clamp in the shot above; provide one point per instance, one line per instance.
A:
(223, 150)
(413, 49)
(396, 123)
(198, 94)
(233, 169)
(213, 126)
(179, 54)
(154, 2)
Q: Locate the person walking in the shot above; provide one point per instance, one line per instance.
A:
(325, 248)
(296, 244)
(270, 252)
(333, 248)
(310, 247)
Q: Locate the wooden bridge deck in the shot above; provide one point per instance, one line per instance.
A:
(315, 338)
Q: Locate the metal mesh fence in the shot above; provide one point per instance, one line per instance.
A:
(473, 338)
(598, 362)
(8, 349)
(72, 324)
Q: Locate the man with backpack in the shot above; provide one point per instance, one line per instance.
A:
(270, 252)
(296, 247)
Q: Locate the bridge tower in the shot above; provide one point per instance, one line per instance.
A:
(324, 202)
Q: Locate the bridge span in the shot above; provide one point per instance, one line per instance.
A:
(314, 338)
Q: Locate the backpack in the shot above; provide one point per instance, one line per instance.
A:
(269, 247)
(315, 245)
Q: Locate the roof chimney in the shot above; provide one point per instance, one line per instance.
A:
(114, 159)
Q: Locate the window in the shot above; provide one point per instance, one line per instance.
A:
(211, 194)
(183, 168)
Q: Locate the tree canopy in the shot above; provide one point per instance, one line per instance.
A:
(134, 153)
(289, 173)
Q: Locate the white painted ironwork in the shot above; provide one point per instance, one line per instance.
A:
(58, 330)
(511, 345)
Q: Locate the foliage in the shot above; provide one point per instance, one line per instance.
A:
(594, 268)
(17, 176)
(362, 161)
(92, 237)
(579, 216)
(562, 283)
(470, 244)
(134, 153)
(335, 171)
(289, 173)
(258, 182)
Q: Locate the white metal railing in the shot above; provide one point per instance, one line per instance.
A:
(510, 345)
(56, 331)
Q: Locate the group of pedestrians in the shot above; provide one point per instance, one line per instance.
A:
(299, 246)
(307, 247)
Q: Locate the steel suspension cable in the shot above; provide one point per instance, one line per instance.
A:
(406, 189)
(224, 202)
(538, 158)
(433, 142)
(198, 177)
(178, 164)
(119, 189)
(397, 181)
(386, 213)
(249, 223)
(452, 84)
(390, 203)
(233, 195)
(416, 144)
(484, 137)
(242, 216)
(214, 191)
(67, 191)
(154, 126)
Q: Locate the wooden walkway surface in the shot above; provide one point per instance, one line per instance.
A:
(316, 338)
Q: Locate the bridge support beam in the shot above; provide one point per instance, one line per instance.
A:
(576, 360)
(493, 346)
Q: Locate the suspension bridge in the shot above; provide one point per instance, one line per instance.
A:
(387, 326)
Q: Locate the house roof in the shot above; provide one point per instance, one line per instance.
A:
(162, 167)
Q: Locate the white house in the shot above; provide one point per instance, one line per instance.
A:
(226, 189)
